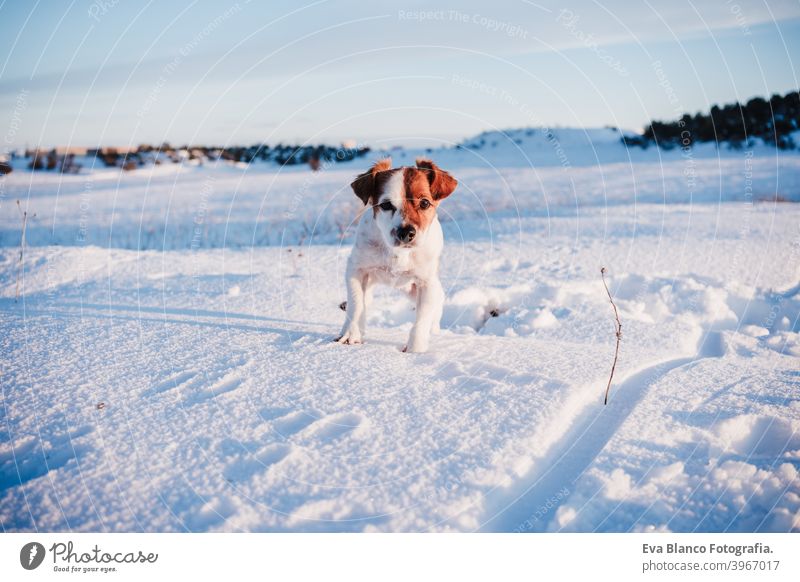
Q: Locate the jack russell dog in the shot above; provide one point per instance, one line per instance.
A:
(398, 243)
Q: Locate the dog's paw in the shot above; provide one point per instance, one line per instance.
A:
(418, 342)
(415, 348)
(349, 339)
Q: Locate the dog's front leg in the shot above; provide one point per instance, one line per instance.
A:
(430, 298)
(355, 312)
(367, 285)
(436, 320)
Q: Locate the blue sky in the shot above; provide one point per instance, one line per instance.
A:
(101, 72)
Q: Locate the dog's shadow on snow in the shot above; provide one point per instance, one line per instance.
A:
(181, 316)
(294, 330)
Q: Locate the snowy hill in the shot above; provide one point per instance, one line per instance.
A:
(569, 147)
(169, 366)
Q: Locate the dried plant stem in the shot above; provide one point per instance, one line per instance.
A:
(618, 330)
(21, 248)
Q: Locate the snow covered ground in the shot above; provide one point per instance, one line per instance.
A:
(169, 366)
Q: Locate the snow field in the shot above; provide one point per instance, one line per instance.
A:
(170, 365)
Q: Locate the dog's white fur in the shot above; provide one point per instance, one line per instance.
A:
(378, 257)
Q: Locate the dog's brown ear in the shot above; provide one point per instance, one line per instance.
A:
(364, 184)
(441, 183)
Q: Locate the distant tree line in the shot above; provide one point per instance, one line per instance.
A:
(281, 154)
(288, 155)
(130, 158)
(772, 121)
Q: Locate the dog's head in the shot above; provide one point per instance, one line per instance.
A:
(404, 200)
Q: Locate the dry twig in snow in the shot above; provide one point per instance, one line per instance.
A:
(617, 327)
(21, 247)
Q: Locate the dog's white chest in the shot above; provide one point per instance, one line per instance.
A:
(401, 262)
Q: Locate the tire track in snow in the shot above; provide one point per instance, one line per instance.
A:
(508, 511)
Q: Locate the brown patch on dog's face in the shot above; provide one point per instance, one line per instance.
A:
(441, 183)
(425, 186)
(419, 206)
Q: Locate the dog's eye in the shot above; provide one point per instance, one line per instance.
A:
(424, 203)
(387, 206)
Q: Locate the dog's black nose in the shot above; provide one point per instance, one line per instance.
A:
(406, 233)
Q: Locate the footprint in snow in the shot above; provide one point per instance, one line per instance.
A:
(212, 513)
(173, 382)
(337, 425)
(269, 413)
(187, 380)
(227, 383)
(30, 460)
(319, 426)
(251, 464)
(294, 422)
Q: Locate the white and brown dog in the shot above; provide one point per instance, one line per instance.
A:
(398, 244)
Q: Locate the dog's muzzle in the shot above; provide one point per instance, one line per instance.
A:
(405, 234)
